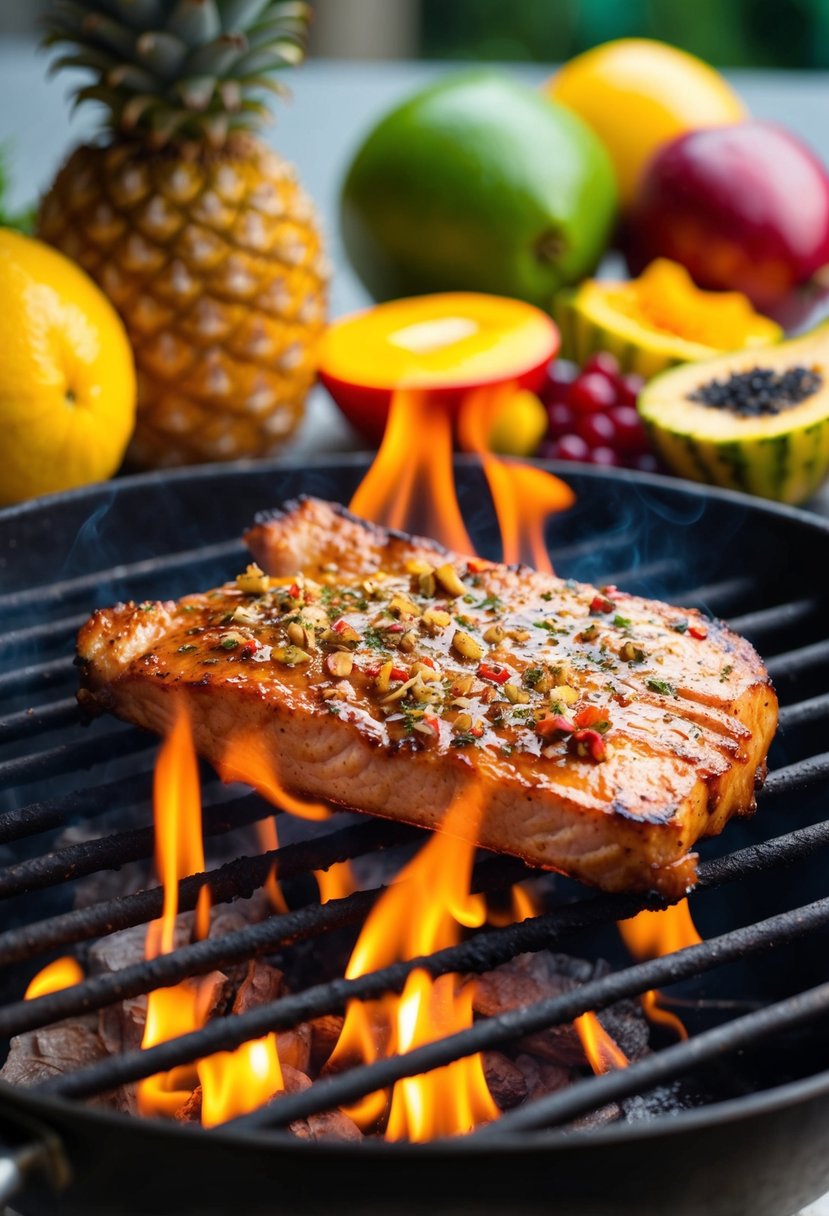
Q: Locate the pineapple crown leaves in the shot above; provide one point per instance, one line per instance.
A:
(170, 71)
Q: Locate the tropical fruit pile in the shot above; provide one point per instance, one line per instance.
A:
(478, 183)
(476, 194)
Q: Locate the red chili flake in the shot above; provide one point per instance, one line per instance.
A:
(432, 722)
(699, 631)
(494, 672)
(588, 744)
(340, 626)
(398, 673)
(477, 565)
(476, 731)
(554, 724)
(600, 603)
(295, 591)
(397, 627)
(373, 670)
(427, 662)
(589, 716)
(248, 648)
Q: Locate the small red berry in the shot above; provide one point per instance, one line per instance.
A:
(560, 375)
(631, 438)
(597, 430)
(605, 457)
(571, 447)
(591, 392)
(605, 363)
(629, 388)
(561, 419)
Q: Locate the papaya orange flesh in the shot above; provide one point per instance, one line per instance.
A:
(445, 345)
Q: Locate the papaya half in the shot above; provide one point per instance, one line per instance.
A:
(656, 321)
(752, 420)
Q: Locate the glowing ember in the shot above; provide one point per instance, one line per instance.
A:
(422, 912)
(652, 934)
(62, 973)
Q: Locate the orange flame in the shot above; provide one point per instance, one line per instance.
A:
(603, 1053)
(652, 934)
(411, 481)
(235, 1082)
(268, 842)
(522, 494)
(179, 852)
(336, 882)
(62, 973)
(247, 758)
(422, 912)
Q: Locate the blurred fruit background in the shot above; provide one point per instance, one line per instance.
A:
(644, 174)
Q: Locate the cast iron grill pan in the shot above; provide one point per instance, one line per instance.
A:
(762, 904)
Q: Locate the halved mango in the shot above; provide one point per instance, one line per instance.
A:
(446, 344)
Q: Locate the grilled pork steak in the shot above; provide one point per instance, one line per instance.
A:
(587, 730)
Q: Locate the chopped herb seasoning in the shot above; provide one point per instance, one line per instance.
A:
(532, 676)
(465, 739)
(229, 643)
(188, 648)
(374, 638)
(491, 601)
(621, 622)
(725, 673)
(661, 686)
(547, 596)
(680, 626)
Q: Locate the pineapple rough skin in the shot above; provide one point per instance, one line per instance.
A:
(214, 260)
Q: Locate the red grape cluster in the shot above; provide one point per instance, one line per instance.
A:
(592, 415)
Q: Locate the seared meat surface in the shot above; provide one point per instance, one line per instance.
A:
(588, 731)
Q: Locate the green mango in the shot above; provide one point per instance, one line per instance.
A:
(478, 183)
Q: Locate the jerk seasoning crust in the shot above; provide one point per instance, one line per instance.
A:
(591, 732)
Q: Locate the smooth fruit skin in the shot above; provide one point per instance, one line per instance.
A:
(743, 207)
(67, 382)
(637, 94)
(480, 184)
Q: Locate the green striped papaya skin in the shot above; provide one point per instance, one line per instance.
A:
(782, 456)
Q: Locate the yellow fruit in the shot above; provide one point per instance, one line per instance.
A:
(638, 94)
(67, 382)
(520, 426)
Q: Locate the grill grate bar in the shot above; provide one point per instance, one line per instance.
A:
(781, 616)
(36, 676)
(792, 662)
(48, 631)
(67, 758)
(495, 1031)
(711, 594)
(643, 1075)
(117, 849)
(50, 813)
(796, 776)
(480, 953)
(58, 592)
(801, 712)
(25, 722)
(230, 881)
(227, 1033)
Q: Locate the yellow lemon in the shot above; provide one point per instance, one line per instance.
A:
(636, 94)
(520, 426)
(67, 381)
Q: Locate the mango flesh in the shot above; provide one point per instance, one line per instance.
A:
(478, 184)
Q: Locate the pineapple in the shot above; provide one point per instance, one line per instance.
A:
(196, 230)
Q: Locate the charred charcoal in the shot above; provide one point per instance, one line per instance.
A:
(505, 1080)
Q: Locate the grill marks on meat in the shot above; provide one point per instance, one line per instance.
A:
(590, 731)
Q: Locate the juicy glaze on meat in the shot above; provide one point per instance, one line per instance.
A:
(592, 732)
